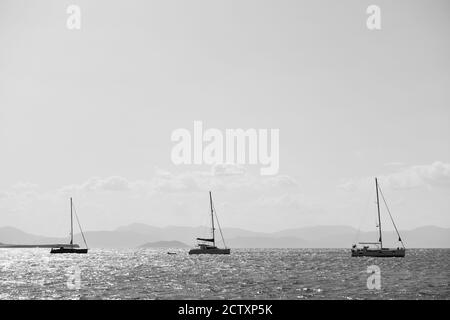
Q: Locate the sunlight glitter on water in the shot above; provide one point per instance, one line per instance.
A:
(245, 274)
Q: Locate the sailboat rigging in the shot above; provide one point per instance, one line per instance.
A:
(204, 245)
(72, 248)
(378, 250)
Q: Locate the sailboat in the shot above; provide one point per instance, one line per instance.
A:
(375, 249)
(71, 248)
(208, 245)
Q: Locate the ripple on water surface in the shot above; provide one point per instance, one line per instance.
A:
(245, 274)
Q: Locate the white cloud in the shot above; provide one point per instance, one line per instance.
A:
(166, 182)
(438, 174)
(221, 177)
(21, 190)
(435, 175)
(229, 178)
(4, 195)
(167, 198)
(283, 182)
(287, 201)
(348, 185)
(395, 164)
(114, 183)
(96, 184)
(24, 187)
(228, 169)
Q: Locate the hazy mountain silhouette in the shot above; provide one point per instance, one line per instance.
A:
(137, 234)
(11, 235)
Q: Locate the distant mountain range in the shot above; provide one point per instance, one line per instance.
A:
(136, 235)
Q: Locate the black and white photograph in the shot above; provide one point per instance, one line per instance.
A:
(224, 150)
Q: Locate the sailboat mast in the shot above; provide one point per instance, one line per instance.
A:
(71, 222)
(379, 217)
(212, 218)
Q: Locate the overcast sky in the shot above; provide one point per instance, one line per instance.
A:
(89, 113)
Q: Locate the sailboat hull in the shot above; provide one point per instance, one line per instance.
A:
(382, 253)
(69, 250)
(209, 251)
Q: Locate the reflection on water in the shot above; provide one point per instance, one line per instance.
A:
(245, 274)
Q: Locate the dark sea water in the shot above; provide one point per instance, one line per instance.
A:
(245, 274)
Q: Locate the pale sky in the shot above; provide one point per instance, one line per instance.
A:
(89, 113)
